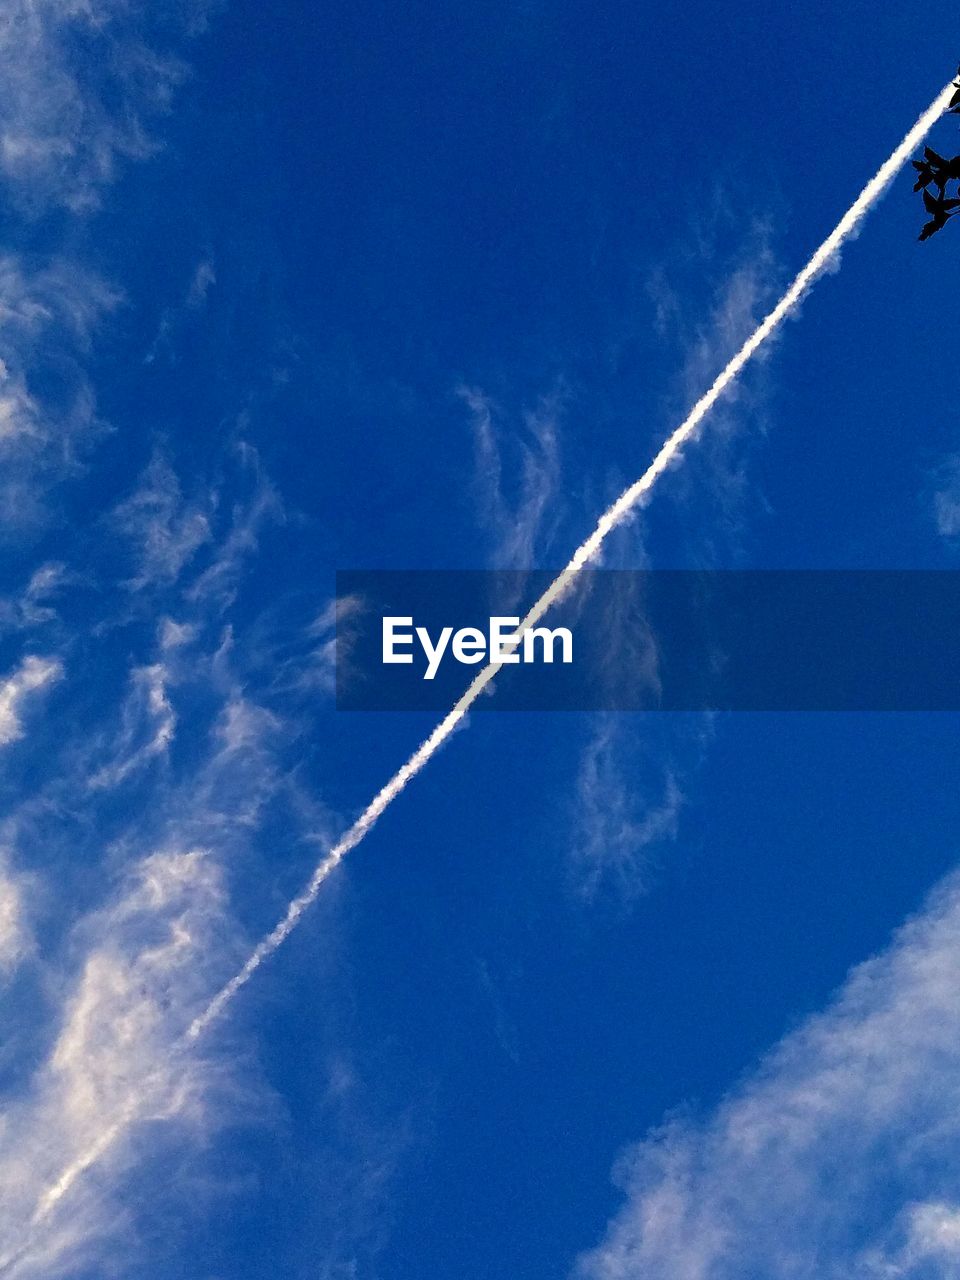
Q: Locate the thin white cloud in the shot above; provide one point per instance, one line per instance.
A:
(218, 583)
(176, 635)
(241, 775)
(79, 84)
(33, 673)
(16, 939)
(204, 277)
(198, 543)
(44, 583)
(33, 606)
(300, 655)
(931, 1245)
(946, 498)
(707, 303)
(148, 961)
(148, 725)
(35, 296)
(80, 87)
(243, 725)
(165, 529)
(19, 412)
(838, 1157)
(48, 315)
(194, 300)
(115, 1066)
(620, 813)
(320, 656)
(517, 477)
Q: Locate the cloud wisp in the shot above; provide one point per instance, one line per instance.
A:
(32, 674)
(48, 316)
(612, 518)
(149, 724)
(519, 523)
(80, 87)
(836, 1157)
(104, 1064)
(615, 829)
(115, 1061)
(166, 529)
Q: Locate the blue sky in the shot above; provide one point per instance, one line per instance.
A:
(291, 289)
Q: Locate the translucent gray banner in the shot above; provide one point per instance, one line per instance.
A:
(653, 640)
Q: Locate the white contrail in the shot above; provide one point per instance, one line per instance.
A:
(628, 501)
(615, 515)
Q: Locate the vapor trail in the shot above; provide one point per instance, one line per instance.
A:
(629, 500)
(615, 515)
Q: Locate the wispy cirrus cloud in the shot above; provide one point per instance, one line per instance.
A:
(194, 299)
(127, 960)
(215, 587)
(517, 476)
(16, 940)
(836, 1157)
(707, 301)
(115, 1067)
(175, 635)
(32, 607)
(32, 674)
(148, 724)
(82, 79)
(946, 498)
(625, 807)
(304, 655)
(329, 646)
(165, 529)
(117, 1087)
(82, 85)
(48, 316)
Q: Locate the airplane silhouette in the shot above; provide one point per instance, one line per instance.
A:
(934, 168)
(940, 208)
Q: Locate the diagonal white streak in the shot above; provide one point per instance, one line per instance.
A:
(617, 514)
